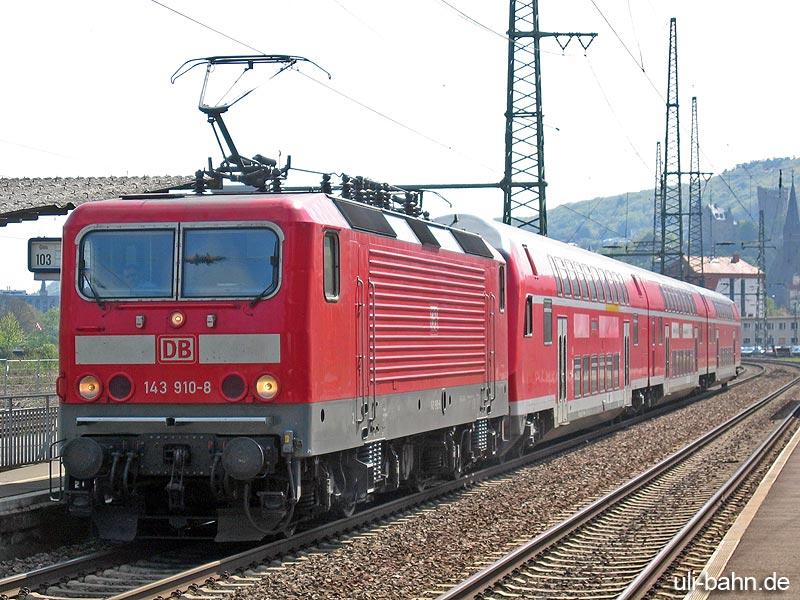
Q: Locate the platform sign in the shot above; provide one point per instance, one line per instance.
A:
(44, 258)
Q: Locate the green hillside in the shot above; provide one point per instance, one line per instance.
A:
(610, 220)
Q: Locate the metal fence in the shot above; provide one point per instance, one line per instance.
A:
(28, 376)
(28, 425)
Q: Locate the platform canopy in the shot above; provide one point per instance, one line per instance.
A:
(27, 199)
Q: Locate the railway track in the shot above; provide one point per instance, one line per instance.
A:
(622, 544)
(185, 569)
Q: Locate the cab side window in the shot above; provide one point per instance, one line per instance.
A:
(330, 262)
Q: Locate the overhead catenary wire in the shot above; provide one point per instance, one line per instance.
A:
(628, 50)
(614, 114)
(588, 217)
(488, 29)
(334, 90)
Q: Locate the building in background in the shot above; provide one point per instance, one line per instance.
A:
(49, 296)
(732, 277)
(780, 331)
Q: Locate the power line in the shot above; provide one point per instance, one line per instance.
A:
(488, 29)
(332, 89)
(624, 45)
(588, 217)
(474, 21)
(225, 35)
(614, 114)
(395, 121)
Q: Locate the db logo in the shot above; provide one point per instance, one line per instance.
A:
(176, 349)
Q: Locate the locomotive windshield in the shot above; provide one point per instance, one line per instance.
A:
(229, 263)
(116, 264)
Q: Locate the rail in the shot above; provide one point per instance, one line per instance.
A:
(485, 579)
(28, 425)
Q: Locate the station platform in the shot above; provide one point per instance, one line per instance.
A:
(764, 541)
(24, 487)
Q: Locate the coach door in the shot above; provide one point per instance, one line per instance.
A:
(666, 351)
(626, 352)
(561, 397)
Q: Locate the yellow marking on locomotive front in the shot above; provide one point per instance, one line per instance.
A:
(612, 307)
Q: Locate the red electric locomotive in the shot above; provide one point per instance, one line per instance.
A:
(256, 360)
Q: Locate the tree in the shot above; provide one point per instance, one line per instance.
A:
(11, 335)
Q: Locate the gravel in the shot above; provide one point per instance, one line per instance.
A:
(419, 554)
(13, 566)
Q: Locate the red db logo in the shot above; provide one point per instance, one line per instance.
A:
(176, 349)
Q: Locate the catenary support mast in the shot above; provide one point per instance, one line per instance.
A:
(671, 258)
(524, 184)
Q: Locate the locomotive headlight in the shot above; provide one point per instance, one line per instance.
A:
(267, 387)
(177, 319)
(89, 387)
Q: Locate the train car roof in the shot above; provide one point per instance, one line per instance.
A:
(315, 207)
(505, 237)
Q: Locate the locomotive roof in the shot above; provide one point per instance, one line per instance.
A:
(314, 207)
(505, 237)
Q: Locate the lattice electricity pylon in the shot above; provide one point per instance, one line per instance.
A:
(671, 200)
(694, 245)
(656, 262)
(523, 182)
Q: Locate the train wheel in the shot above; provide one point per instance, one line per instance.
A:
(345, 507)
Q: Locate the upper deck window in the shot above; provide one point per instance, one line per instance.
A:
(119, 264)
(231, 262)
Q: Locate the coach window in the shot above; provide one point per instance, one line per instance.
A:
(547, 324)
(602, 373)
(573, 277)
(559, 289)
(624, 290)
(576, 376)
(601, 296)
(586, 375)
(592, 283)
(528, 331)
(609, 373)
(330, 261)
(594, 374)
(606, 286)
(660, 330)
(635, 330)
(582, 281)
(615, 370)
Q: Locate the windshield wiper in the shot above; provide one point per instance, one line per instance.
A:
(95, 295)
(260, 296)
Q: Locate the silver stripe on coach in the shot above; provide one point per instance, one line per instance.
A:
(239, 348)
(115, 349)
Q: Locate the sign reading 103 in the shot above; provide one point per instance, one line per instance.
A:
(44, 255)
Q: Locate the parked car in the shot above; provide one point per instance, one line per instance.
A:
(795, 350)
(748, 350)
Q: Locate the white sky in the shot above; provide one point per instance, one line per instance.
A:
(86, 92)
